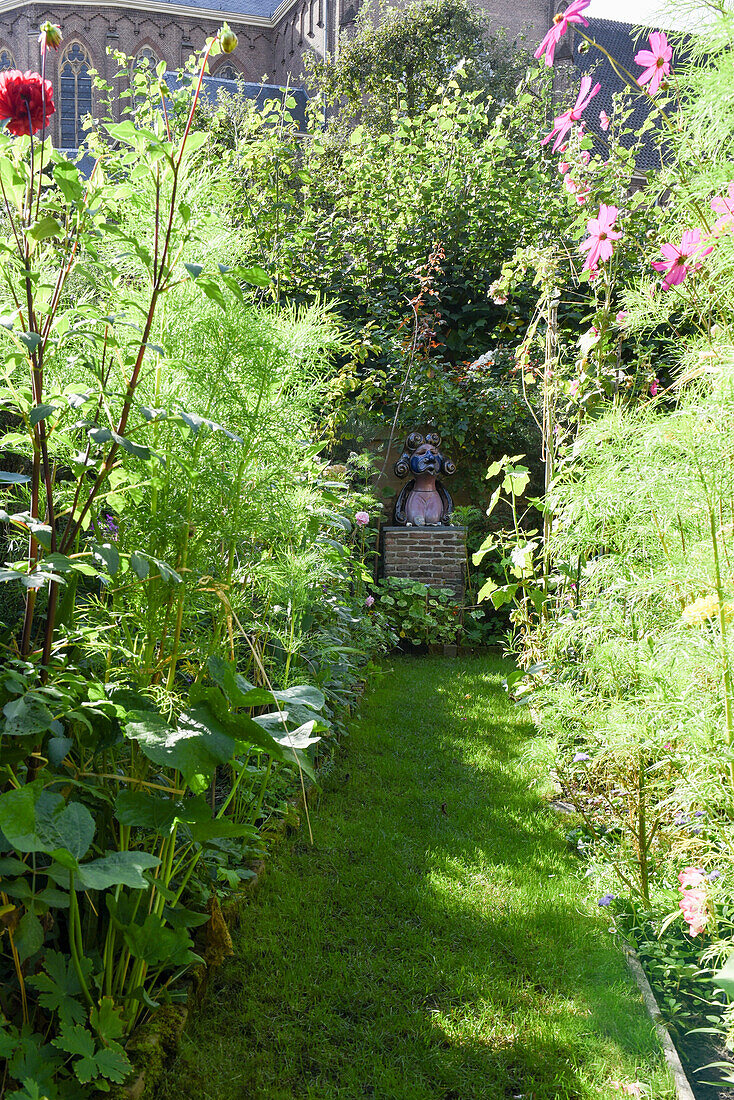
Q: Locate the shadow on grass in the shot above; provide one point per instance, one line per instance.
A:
(433, 943)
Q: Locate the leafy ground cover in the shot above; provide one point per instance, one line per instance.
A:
(436, 940)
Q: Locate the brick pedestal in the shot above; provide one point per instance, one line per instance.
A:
(432, 555)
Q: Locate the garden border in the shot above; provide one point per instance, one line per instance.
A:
(152, 1046)
(683, 1088)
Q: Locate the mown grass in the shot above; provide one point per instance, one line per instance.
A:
(436, 942)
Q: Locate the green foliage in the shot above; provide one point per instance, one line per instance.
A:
(420, 614)
(405, 230)
(407, 54)
(171, 664)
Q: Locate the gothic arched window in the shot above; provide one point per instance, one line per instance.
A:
(7, 61)
(226, 72)
(142, 75)
(146, 54)
(76, 94)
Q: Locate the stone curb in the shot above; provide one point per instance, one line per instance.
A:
(683, 1090)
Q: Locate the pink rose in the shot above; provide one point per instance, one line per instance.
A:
(362, 519)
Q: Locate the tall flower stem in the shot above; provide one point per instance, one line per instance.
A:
(727, 677)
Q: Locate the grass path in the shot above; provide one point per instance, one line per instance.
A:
(435, 943)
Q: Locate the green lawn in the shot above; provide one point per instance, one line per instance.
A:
(437, 941)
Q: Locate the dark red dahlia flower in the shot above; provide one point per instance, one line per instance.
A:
(21, 101)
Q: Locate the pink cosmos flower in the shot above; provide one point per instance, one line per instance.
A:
(563, 167)
(564, 122)
(655, 387)
(585, 156)
(655, 61)
(601, 234)
(582, 196)
(725, 207)
(691, 876)
(680, 259)
(362, 519)
(561, 23)
(621, 317)
(604, 120)
(570, 185)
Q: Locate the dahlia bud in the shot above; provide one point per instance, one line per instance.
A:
(227, 39)
(50, 36)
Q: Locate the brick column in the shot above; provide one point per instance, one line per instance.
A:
(434, 556)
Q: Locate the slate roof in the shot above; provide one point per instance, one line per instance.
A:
(211, 85)
(623, 41)
(264, 8)
(261, 93)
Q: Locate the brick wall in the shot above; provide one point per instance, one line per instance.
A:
(171, 37)
(431, 555)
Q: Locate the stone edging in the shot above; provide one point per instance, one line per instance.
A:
(683, 1090)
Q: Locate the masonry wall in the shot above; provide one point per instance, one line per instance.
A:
(172, 38)
(434, 556)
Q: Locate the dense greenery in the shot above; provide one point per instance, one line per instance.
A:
(622, 602)
(183, 588)
(197, 337)
(401, 57)
(405, 231)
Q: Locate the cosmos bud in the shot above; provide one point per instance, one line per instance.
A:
(227, 39)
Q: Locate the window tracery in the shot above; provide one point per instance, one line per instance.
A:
(75, 94)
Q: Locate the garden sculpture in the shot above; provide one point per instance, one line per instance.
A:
(423, 502)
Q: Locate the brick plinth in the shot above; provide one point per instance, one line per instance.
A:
(432, 555)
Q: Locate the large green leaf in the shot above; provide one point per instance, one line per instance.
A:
(194, 747)
(146, 810)
(35, 820)
(154, 943)
(26, 716)
(117, 868)
(724, 978)
(304, 694)
(243, 694)
(299, 738)
(28, 936)
(242, 727)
